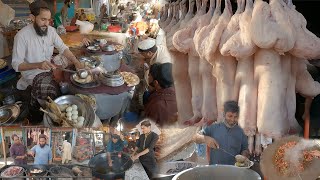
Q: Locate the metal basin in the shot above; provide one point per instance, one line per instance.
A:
(5, 115)
(217, 172)
(84, 109)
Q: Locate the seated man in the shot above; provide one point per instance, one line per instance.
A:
(161, 105)
(115, 144)
(225, 139)
(32, 53)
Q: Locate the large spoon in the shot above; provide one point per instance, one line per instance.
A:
(82, 73)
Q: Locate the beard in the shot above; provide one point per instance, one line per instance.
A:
(39, 30)
(42, 145)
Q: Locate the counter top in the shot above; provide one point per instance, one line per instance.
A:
(136, 172)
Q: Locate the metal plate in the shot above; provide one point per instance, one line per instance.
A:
(13, 110)
(84, 109)
(92, 84)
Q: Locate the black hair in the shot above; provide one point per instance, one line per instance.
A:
(231, 106)
(146, 123)
(38, 5)
(163, 74)
(42, 136)
(14, 135)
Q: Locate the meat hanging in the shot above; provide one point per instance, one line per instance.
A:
(257, 56)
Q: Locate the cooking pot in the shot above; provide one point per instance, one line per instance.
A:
(217, 172)
(41, 167)
(121, 162)
(16, 177)
(61, 173)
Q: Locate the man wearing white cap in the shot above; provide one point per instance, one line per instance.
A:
(154, 52)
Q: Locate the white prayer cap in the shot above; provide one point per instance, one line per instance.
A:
(146, 44)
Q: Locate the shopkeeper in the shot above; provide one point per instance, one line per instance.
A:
(145, 149)
(226, 135)
(32, 52)
(41, 152)
(153, 53)
(18, 151)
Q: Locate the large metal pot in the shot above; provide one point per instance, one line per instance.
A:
(218, 172)
(61, 173)
(111, 62)
(121, 162)
(15, 177)
(31, 168)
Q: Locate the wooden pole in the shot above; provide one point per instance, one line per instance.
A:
(307, 117)
(4, 147)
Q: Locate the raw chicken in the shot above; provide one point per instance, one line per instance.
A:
(271, 104)
(307, 44)
(240, 45)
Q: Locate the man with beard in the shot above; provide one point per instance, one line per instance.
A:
(145, 149)
(18, 151)
(161, 105)
(41, 152)
(226, 135)
(32, 52)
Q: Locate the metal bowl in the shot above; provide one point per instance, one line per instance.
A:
(92, 62)
(217, 172)
(9, 113)
(84, 109)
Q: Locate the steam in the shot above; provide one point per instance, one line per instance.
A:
(295, 155)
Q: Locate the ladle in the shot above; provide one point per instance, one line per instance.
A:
(82, 73)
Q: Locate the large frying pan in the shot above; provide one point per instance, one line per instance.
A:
(121, 162)
(41, 167)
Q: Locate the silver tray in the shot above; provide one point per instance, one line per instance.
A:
(92, 84)
(10, 112)
(85, 110)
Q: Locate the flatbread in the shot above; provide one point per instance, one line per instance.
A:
(88, 79)
(119, 47)
(130, 79)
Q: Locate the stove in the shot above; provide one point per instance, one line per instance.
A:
(112, 79)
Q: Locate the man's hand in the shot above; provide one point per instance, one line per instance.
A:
(46, 65)
(31, 154)
(110, 163)
(135, 157)
(86, 41)
(211, 142)
(79, 65)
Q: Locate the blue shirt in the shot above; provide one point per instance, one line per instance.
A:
(233, 140)
(42, 155)
(115, 147)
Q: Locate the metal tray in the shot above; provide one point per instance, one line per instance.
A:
(91, 60)
(11, 112)
(92, 84)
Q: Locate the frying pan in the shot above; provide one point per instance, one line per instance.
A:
(121, 162)
(32, 167)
